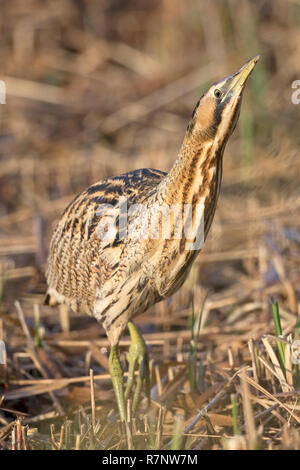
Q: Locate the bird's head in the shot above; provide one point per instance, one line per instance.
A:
(217, 111)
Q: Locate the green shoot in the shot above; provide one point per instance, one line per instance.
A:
(177, 434)
(278, 332)
(296, 365)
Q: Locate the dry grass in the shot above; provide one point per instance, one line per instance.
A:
(101, 90)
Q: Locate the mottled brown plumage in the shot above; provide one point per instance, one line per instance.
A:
(116, 279)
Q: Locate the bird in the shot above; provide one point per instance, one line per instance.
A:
(106, 262)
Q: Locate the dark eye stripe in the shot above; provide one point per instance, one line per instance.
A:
(197, 105)
(195, 108)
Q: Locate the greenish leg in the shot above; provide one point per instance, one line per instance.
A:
(138, 353)
(116, 373)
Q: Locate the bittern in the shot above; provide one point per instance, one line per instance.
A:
(115, 275)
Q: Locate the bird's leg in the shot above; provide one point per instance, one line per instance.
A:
(138, 353)
(116, 373)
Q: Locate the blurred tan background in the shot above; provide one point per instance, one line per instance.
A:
(100, 87)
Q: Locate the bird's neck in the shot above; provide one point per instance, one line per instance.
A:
(196, 174)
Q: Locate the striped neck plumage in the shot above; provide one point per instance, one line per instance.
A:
(196, 174)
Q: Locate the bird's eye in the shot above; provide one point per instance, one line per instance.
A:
(218, 93)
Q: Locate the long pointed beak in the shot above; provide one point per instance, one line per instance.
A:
(238, 80)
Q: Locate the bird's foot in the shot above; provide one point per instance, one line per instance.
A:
(138, 354)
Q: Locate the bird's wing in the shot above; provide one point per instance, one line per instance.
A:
(80, 261)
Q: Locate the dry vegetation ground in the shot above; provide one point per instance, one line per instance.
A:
(95, 88)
